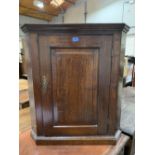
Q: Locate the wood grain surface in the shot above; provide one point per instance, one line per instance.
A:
(74, 72)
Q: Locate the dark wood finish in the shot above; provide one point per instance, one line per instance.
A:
(76, 140)
(76, 28)
(74, 77)
(20, 70)
(74, 93)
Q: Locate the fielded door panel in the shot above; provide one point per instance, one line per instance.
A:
(75, 84)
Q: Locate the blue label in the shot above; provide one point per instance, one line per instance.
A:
(75, 39)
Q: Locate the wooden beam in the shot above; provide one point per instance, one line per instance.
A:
(68, 1)
(35, 12)
(41, 11)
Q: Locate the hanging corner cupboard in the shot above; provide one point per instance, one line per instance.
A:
(75, 74)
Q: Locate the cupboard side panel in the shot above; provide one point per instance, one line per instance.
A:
(35, 81)
(116, 82)
(104, 83)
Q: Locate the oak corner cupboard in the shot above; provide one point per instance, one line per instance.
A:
(74, 77)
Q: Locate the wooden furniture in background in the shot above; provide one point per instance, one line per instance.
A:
(129, 71)
(74, 75)
(20, 70)
(22, 62)
(24, 120)
(23, 93)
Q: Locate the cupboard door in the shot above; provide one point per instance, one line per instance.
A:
(71, 97)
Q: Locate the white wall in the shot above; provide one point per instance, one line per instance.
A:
(130, 45)
(75, 14)
(104, 11)
(57, 20)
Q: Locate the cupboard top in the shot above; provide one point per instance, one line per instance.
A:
(77, 28)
